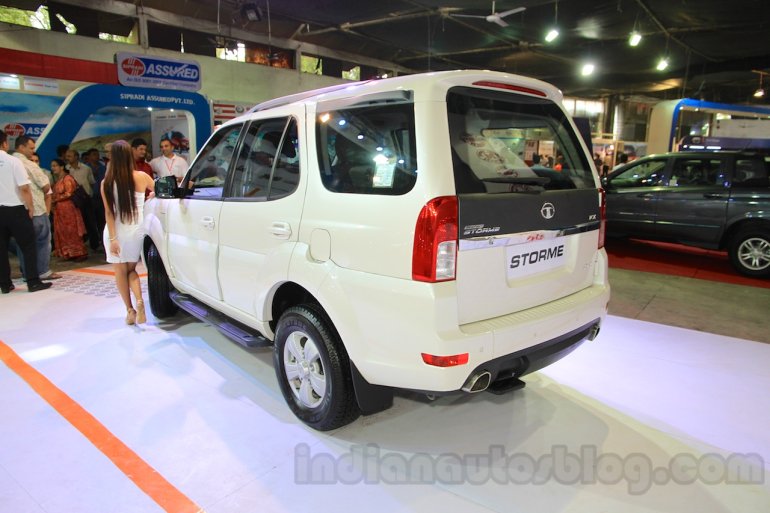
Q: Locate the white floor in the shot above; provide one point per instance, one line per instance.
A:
(207, 415)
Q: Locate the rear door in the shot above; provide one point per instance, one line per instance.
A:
(261, 212)
(693, 203)
(528, 233)
(632, 194)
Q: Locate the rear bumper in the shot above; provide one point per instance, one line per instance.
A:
(386, 332)
(534, 358)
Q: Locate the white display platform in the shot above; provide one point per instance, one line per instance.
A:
(208, 416)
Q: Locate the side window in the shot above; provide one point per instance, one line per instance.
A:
(268, 164)
(209, 172)
(368, 150)
(751, 173)
(286, 172)
(698, 171)
(644, 174)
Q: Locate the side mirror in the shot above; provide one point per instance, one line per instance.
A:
(165, 188)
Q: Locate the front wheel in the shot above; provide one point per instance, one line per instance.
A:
(158, 285)
(313, 369)
(750, 252)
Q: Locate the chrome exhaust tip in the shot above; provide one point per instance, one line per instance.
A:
(478, 382)
(594, 331)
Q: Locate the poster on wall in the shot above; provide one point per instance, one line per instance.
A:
(110, 124)
(226, 110)
(26, 114)
(170, 125)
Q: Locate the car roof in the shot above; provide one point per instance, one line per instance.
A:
(430, 85)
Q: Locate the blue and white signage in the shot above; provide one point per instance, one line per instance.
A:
(33, 130)
(161, 72)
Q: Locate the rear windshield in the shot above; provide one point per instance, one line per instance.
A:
(506, 142)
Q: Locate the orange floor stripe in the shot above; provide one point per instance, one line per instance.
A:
(103, 272)
(134, 467)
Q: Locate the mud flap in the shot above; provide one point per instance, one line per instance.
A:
(371, 398)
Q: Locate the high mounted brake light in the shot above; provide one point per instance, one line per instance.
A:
(510, 87)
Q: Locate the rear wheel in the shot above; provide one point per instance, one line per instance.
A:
(158, 285)
(313, 369)
(750, 252)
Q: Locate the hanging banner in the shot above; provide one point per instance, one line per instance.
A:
(161, 72)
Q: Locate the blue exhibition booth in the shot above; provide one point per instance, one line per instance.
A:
(84, 101)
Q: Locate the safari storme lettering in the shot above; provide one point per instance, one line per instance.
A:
(534, 257)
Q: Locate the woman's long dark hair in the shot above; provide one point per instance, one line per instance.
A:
(121, 174)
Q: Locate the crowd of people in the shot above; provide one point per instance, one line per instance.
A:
(64, 211)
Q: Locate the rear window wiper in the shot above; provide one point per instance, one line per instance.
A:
(520, 180)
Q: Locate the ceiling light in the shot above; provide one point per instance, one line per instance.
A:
(551, 35)
(251, 12)
(760, 92)
(662, 64)
(588, 69)
(554, 32)
(635, 38)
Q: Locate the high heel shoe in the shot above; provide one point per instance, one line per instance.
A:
(130, 316)
(141, 317)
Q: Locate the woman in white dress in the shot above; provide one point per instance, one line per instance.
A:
(123, 193)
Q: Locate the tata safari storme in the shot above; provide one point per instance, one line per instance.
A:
(709, 199)
(389, 234)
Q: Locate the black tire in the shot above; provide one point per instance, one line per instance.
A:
(750, 252)
(158, 285)
(308, 330)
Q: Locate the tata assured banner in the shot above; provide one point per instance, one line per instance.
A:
(150, 71)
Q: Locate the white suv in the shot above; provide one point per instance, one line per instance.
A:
(391, 234)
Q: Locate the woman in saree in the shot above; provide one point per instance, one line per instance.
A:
(68, 224)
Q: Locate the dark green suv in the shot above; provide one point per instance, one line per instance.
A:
(713, 200)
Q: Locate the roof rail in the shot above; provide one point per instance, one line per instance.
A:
(285, 100)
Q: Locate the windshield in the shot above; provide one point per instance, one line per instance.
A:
(504, 142)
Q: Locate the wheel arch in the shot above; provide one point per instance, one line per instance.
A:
(759, 223)
(370, 398)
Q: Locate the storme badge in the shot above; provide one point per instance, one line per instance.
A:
(151, 71)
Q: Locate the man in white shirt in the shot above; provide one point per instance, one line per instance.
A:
(41, 202)
(16, 211)
(169, 163)
(84, 175)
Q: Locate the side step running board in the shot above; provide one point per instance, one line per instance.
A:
(231, 328)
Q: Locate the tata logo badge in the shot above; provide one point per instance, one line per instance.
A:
(548, 210)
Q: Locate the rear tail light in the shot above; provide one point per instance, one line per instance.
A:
(445, 361)
(602, 216)
(434, 256)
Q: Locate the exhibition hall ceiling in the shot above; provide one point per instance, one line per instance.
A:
(712, 46)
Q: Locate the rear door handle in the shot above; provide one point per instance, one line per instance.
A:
(646, 195)
(280, 229)
(713, 195)
(208, 222)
